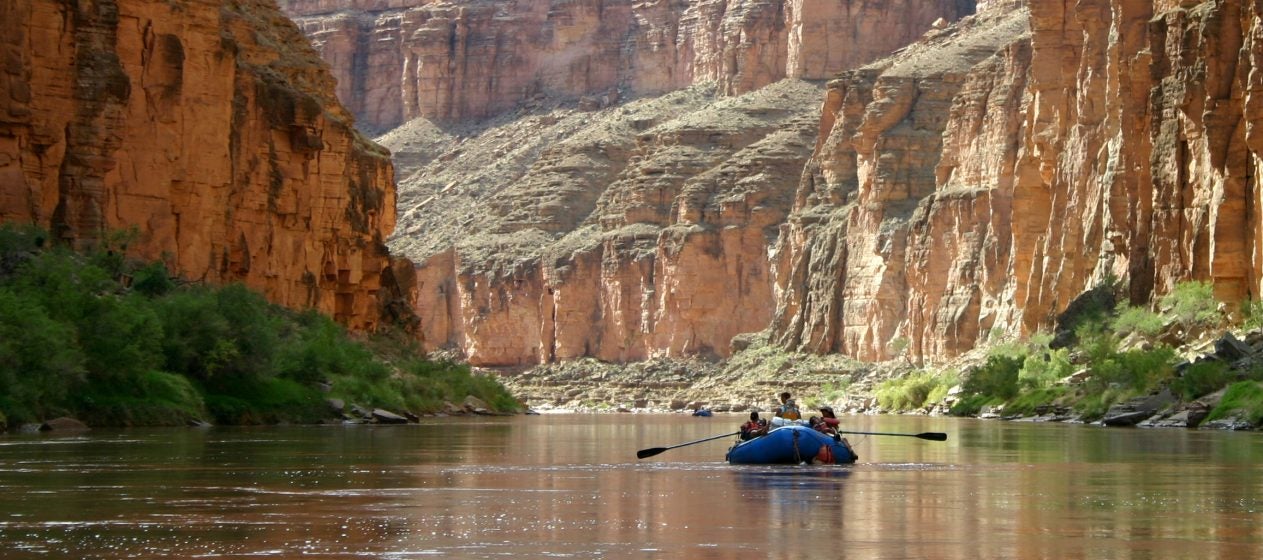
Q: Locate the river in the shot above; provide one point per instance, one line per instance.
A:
(569, 486)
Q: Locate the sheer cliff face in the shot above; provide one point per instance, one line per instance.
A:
(902, 226)
(396, 60)
(946, 203)
(211, 127)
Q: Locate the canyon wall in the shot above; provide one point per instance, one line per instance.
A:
(621, 234)
(396, 60)
(943, 205)
(209, 126)
(622, 228)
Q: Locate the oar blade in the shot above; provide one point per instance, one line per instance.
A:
(643, 453)
(933, 436)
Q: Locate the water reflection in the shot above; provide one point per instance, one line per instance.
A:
(569, 486)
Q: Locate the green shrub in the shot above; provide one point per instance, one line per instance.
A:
(1252, 314)
(971, 405)
(1094, 404)
(40, 360)
(152, 398)
(833, 392)
(321, 350)
(1135, 371)
(1201, 378)
(1044, 369)
(152, 280)
(1028, 403)
(1095, 343)
(266, 401)
(913, 391)
(1137, 320)
(1192, 303)
(1245, 397)
(997, 377)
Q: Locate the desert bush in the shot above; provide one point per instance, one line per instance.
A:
(1192, 303)
(997, 377)
(913, 391)
(1201, 378)
(1244, 397)
(1138, 320)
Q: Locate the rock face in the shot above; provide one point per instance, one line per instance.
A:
(621, 234)
(211, 127)
(983, 193)
(451, 61)
(901, 235)
(607, 228)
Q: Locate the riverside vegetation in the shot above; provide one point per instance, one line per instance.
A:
(1179, 364)
(1105, 361)
(116, 342)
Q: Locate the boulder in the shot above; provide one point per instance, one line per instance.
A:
(1136, 410)
(1230, 422)
(475, 404)
(336, 405)
(64, 424)
(1124, 417)
(1229, 349)
(386, 417)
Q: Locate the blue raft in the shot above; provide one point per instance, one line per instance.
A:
(791, 445)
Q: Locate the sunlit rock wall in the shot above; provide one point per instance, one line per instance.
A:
(942, 206)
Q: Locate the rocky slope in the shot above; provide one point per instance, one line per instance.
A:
(621, 234)
(984, 191)
(451, 61)
(212, 128)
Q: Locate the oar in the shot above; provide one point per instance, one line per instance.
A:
(656, 450)
(932, 436)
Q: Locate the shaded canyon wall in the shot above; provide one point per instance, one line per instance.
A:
(209, 126)
(396, 60)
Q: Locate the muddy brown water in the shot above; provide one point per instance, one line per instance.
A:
(569, 486)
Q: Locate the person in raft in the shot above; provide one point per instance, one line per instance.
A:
(828, 423)
(754, 428)
(788, 410)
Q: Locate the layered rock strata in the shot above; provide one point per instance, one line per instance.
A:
(902, 225)
(1117, 141)
(450, 61)
(211, 128)
(622, 234)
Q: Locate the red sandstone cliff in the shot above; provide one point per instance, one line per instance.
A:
(948, 202)
(210, 126)
(450, 61)
(626, 232)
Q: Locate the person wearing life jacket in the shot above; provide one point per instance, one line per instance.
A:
(754, 428)
(828, 423)
(788, 409)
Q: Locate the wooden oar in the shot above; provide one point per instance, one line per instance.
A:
(932, 436)
(656, 450)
